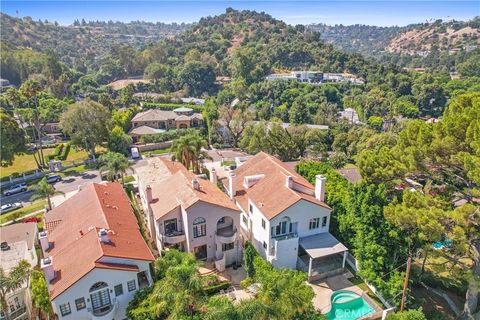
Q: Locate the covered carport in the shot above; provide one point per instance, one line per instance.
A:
(321, 255)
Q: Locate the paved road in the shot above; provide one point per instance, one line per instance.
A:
(68, 184)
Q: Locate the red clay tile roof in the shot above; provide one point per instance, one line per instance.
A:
(73, 231)
(270, 194)
(117, 266)
(176, 190)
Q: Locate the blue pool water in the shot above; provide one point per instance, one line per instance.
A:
(348, 305)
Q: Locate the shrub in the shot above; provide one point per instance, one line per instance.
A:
(217, 287)
(65, 151)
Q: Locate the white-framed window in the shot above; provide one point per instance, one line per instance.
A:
(199, 228)
(263, 223)
(250, 208)
(118, 290)
(245, 220)
(131, 285)
(65, 309)
(100, 296)
(228, 246)
(264, 245)
(80, 303)
(314, 223)
(324, 221)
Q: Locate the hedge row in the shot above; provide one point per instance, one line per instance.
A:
(61, 153)
(56, 154)
(171, 106)
(217, 287)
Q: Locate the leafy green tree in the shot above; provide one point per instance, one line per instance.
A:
(85, 122)
(11, 281)
(299, 113)
(39, 292)
(155, 71)
(119, 141)
(12, 137)
(113, 164)
(375, 123)
(234, 120)
(408, 315)
(43, 190)
(197, 77)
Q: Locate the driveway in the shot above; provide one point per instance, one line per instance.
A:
(67, 185)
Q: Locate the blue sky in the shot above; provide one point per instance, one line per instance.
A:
(381, 13)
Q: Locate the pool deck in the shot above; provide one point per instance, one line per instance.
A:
(323, 290)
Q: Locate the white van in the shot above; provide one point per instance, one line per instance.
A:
(135, 153)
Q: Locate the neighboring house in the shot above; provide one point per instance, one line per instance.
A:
(95, 256)
(17, 244)
(350, 115)
(189, 213)
(180, 118)
(285, 217)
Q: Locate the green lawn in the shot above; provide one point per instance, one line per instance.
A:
(157, 152)
(228, 163)
(18, 213)
(74, 171)
(26, 162)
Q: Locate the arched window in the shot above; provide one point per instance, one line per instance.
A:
(199, 227)
(100, 298)
(98, 285)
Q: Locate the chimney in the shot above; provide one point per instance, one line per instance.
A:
(320, 187)
(231, 184)
(289, 182)
(43, 238)
(148, 192)
(213, 176)
(47, 268)
(103, 235)
(195, 184)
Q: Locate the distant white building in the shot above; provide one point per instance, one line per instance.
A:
(17, 244)
(95, 258)
(350, 115)
(315, 77)
(285, 217)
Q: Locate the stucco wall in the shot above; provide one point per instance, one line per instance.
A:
(112, 278)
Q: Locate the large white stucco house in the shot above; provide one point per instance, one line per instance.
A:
(18, 243)
(285, 217)
(189, 213)
(95, 258)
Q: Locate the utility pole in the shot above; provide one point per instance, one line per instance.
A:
(405, 284)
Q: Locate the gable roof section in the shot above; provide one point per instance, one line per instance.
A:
(270, 194)
(73, 231)
(176, 190)
(155, 115)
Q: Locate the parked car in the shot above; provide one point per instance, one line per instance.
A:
(54, 178)
(9, 207)
(135, 153)
(22, 187)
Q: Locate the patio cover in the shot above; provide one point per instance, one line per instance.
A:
(322, 245)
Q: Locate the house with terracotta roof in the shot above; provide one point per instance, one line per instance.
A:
(285, 217)
(189, 213)
(157, 121)
(18, 243)
(95, 257)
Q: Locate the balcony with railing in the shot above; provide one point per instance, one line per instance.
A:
(174, 237)
(226, 234)
(105, 312)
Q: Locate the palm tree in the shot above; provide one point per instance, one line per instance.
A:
(113, 164)
(43, 189)
(188, 150)
(9, 282)
(30, 89)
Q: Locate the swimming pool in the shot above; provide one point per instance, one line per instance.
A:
(348, 305)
